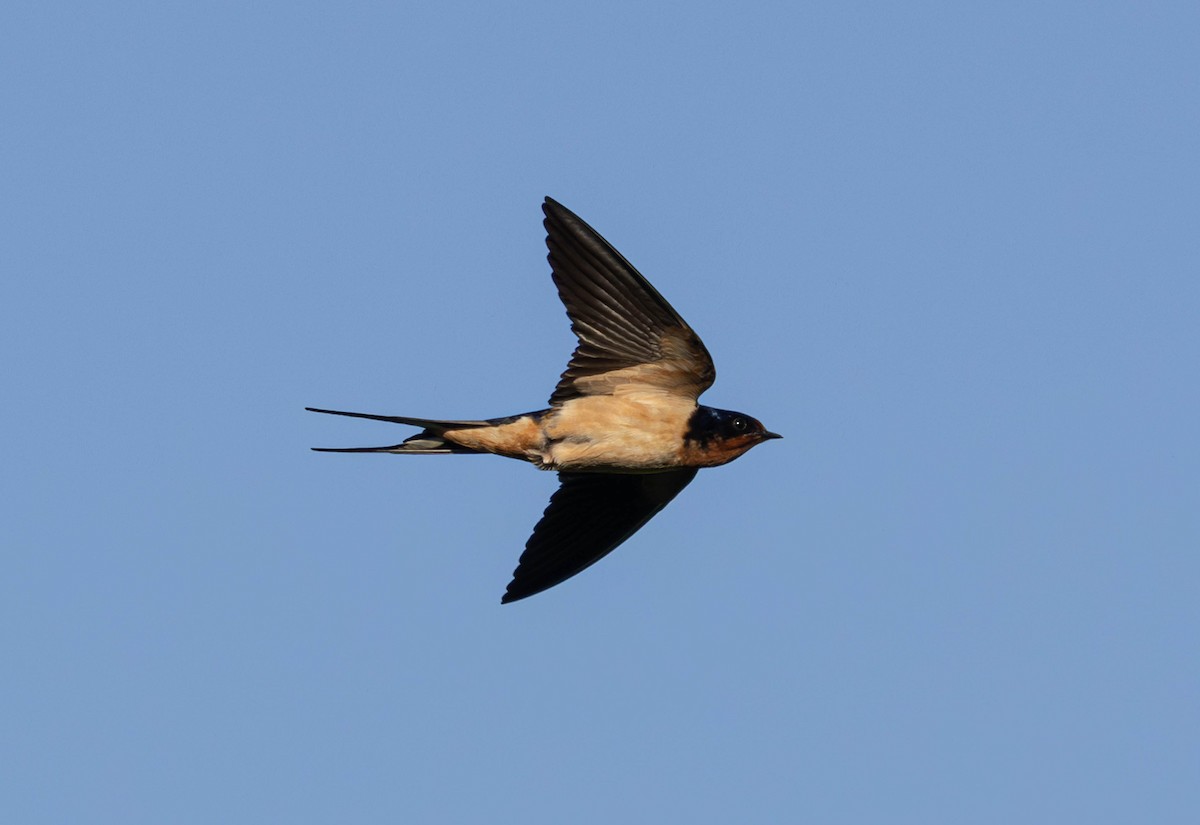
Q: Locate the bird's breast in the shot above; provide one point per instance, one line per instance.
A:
(617, 433)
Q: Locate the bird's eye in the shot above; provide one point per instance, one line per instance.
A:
(739, 424)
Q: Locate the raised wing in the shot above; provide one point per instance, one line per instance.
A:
(628, 333)
(588, 517)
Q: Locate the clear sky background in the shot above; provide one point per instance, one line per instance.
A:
(951, 251)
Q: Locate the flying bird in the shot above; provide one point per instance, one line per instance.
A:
(623, 430)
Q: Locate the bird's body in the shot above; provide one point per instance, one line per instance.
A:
(623, 428)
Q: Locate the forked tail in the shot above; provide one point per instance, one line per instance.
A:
(430, 441)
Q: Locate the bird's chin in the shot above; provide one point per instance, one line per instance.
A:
(714, 454)
(744, 443)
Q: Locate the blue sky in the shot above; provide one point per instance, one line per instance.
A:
(950, 251)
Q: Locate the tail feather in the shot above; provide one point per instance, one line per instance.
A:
(427, 442)
(405, 447)
(435, 425)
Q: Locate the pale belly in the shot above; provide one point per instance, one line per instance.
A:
(614, 434)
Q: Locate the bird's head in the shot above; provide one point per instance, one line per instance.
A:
(717, 436)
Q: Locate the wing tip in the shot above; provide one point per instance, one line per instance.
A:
(515, 594)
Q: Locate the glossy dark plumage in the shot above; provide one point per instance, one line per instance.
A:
(589, 516)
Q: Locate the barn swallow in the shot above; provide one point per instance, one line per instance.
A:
(623, 430)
